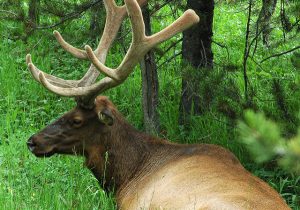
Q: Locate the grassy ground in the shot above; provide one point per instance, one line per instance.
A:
(62, 182)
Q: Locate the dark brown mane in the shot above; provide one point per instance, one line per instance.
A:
(129, 150)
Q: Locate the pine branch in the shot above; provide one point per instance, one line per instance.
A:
(280, 54)
(72, 15)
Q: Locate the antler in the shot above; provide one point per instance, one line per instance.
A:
(84, 90)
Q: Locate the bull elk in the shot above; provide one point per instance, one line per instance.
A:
(146, 172)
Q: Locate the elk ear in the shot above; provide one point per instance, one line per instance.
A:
(105, 116)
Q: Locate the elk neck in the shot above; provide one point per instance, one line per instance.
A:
(125, 154)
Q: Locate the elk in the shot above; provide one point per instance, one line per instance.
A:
(146, 172)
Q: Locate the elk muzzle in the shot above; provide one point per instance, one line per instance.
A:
(37, 145)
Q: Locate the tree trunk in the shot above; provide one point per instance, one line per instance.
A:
(34, 13)
(149, 84)
(197, 56)
(264, 19)
(97, 21)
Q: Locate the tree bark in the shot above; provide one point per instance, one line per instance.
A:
(34, 12)
(150, 84)
(97, 21)
(264, 19)
(197, 56)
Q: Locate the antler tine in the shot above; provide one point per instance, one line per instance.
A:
(113, 13)
(84, 95)
(114, 18)
(34, 71)
(105, 70)
(78, 91)
(110, 4)
(54, 80)
(111, 10)
(77, 53)
(91, 75)
(141, 43)
(137, 22)
(188, 19)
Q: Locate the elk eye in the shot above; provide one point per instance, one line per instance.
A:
(77, 121)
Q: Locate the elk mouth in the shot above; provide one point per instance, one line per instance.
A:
(37, 151)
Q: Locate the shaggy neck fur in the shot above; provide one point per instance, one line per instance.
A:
(126, 154)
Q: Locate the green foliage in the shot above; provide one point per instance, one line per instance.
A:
(262, 137)
(264, 140)
(295, 59)
(291, 158)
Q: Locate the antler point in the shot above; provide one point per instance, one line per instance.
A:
(28, 59)
(87, 47)
(195, 18)
(42, 77)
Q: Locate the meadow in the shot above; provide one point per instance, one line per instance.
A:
(62, 182)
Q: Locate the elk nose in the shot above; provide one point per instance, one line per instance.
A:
(30, 143)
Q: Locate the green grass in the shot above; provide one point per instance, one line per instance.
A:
(62, 182)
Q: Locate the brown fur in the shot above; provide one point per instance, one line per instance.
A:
(151, 173)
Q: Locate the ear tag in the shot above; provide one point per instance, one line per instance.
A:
(105, 118)
(101, 116)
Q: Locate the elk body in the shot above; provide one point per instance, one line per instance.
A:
(146, 172)
(151, 173)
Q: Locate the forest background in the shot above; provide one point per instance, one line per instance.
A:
(232, 80)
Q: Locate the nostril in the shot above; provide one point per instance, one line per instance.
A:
(31, 143)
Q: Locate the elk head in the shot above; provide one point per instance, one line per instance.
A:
(76, 131)
(91, 119)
